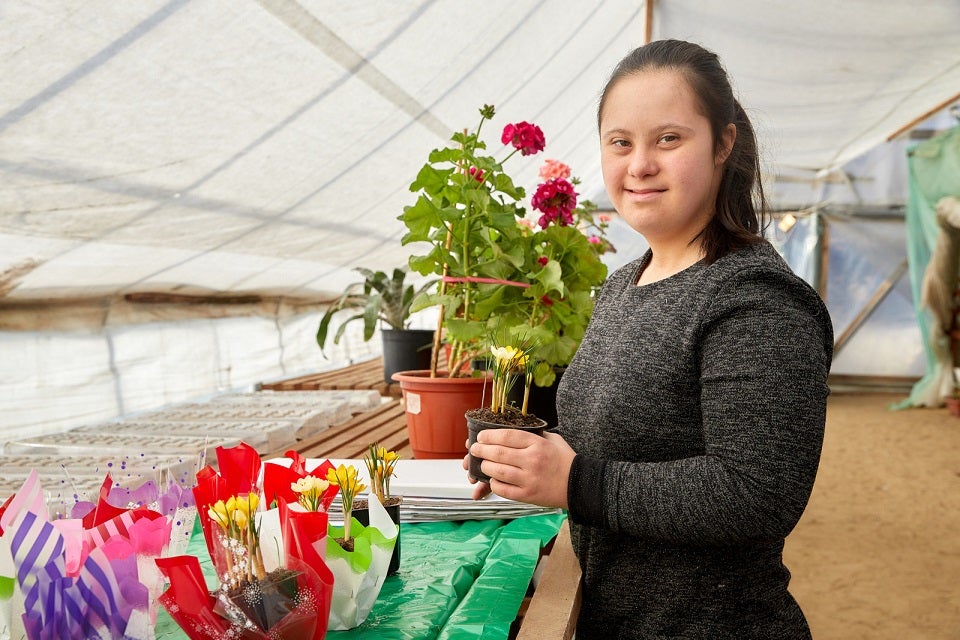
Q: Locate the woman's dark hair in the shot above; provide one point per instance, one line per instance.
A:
(741, 208)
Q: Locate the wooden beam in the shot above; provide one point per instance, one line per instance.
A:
(648, 23)
(553, 611)
(872, 304)
(823, 272)
(910, 125)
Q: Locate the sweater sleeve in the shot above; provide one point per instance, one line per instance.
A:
(765, 346)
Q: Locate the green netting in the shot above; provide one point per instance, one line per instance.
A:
(457, 580)
(934, 167)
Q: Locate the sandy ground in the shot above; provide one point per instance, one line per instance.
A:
(877, 553)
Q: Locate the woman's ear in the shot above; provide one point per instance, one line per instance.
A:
(727, 138)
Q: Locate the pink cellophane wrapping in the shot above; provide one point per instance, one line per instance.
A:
(82, 578)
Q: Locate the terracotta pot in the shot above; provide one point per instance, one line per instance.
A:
(475, 426)
(953, 404)
(435, 409)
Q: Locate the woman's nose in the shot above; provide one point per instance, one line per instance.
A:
(642, 163)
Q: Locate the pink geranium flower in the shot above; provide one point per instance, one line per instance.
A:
(604, 217)
(594, 240)
(554, 169)
(556, 200)
(525, 137)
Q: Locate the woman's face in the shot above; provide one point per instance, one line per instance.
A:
(657, 155)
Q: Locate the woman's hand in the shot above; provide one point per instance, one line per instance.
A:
(482, 490)
(525, 467)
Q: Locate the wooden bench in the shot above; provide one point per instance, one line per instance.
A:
(551, 612)
(386, 424)
(362, 375)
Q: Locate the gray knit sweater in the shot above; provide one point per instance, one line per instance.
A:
(696, 406)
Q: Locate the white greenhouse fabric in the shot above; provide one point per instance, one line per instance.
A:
(208, 146)
(262, 149)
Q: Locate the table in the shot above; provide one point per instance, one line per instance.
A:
(548, 614)
(551, 612)
(457, 581)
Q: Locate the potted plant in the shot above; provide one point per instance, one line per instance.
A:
(387, 299)
(380, 464)
(508, 364)
(497, 268)
(466, 210)
(563, 265)
(357, 554)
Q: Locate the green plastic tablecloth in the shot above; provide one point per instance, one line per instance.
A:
(457, 580)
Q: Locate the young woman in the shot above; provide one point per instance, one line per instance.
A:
(691, 418)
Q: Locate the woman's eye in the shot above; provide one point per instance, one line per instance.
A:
(620, 142)
(669, 138)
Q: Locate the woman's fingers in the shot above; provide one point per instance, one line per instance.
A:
(525, 467)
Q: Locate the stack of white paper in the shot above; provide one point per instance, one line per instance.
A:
(435, 490)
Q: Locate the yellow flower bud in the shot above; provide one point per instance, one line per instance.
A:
(241, 519)
(218, 513)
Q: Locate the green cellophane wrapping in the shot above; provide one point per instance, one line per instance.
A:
(458, 580)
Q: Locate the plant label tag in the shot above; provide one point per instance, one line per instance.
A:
(413, 403)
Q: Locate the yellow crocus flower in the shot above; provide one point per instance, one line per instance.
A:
(218, 513)
(241, 519)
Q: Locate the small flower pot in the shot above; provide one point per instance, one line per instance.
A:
(362, 513)
(267, 601)
(953, 405)
(476, 424)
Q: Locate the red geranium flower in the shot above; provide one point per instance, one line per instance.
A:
(476, 173)
(525, 137)
(543, 260)
(556, 200)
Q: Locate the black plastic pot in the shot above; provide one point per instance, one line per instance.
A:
(363, 517)
(475, 426)
(405, 350)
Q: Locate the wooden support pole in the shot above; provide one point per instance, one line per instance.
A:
(885, 287)
(648, 23)
(910, 125)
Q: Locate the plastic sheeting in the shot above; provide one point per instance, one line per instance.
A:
(215, 148)
(865, 259)
(266, 146)
(457, 581)
(934, 174)
(57, 380)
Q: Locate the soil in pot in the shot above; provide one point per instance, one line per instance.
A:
(543, 400)
(482, 419)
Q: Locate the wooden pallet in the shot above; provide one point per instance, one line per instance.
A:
(386, 425)
(362, 375)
